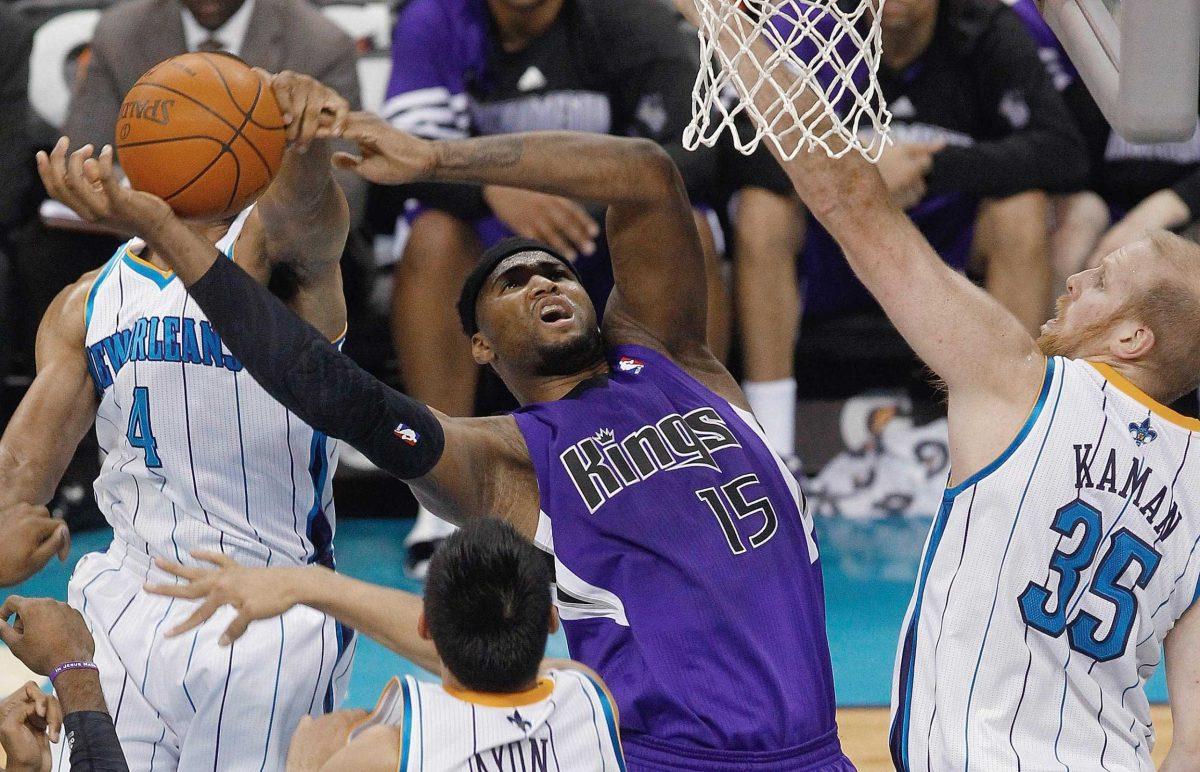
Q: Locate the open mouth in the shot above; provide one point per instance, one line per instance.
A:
(553, 310)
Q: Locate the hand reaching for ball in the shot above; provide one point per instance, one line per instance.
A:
(387, 156)
(90, 185)
(311, 110)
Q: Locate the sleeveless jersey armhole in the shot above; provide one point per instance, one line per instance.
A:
(1034, 413)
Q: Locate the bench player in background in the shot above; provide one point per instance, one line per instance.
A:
(1063, 560)
(198, 456)
(482, 625)
(675, 530)
(472, 68)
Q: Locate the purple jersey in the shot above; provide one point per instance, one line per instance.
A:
(686, 569)
(1058, 65)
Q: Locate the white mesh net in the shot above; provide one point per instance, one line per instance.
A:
(830, 53)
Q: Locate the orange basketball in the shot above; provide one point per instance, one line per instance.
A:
(203, 132)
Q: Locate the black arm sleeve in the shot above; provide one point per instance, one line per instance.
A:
(94, 743)
(307, 375)
(1031, 141)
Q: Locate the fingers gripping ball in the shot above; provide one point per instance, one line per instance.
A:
(203, 132)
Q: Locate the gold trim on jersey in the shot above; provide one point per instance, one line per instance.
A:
(166, 274)
(1125, 385)
(544, 688)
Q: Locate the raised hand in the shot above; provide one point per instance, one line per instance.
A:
(90, 186)
(29, 720)
(558, 221)
(31, 538)
(387, 156)
(45, 633)
(311, 109)
(256, 593)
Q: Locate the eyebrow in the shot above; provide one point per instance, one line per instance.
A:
(540, 264)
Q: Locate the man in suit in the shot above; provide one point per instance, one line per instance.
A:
(133, 36)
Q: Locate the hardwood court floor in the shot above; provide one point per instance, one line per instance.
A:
(864, 736)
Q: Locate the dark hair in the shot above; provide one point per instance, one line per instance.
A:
(487, 604)
(483, 269)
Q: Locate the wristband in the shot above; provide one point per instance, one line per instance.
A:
(76, 665)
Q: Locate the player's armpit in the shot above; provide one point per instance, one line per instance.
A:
(1183, 684)
(375, 750)
(484, 471)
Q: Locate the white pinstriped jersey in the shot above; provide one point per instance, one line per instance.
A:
(565, 723)
(198, 456)
(1049, 581)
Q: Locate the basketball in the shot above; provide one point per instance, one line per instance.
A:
(201, 131)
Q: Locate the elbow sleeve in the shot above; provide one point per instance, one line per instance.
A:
(305, 373)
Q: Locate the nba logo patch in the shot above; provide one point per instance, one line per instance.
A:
(1142, 433)
(630, 365)
(406, 434)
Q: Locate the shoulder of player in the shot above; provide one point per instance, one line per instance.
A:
(550, 665)
(376, 748)
(64, 318)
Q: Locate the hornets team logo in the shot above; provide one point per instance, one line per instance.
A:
(630, 365)
(1142, 433)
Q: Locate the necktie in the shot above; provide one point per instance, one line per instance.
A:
(210, 45)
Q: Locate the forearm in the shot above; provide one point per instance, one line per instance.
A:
(299, 368)
(610, 170)
(1039, 160)
(389, 616)
(304, 212)
(94, 743)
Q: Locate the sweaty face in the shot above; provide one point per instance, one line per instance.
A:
(537, 317)
(1095, 300)
(212, 13)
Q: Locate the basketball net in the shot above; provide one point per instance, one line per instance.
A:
(829, 54)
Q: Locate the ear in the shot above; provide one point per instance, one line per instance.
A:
(423, 628)
(553, 619)
(1131, 340)
(481, 349)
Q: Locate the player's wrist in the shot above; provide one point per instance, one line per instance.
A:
(80, 690)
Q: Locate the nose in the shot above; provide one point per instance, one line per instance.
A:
(540, 285)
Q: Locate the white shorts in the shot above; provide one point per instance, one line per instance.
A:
(186, 703)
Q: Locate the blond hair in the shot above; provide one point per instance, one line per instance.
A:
(1170, 307)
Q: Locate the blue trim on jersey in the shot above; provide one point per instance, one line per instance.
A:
(91, 296)
(408, 721)
(1021, 435)
(610, 719)
(904, 694)
(344, 636)
(146, 271)
(319, 529)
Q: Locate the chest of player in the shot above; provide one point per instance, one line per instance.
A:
(142, 325)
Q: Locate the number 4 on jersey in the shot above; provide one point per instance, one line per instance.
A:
(140, 432)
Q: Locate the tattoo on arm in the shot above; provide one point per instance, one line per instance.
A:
(487, 152)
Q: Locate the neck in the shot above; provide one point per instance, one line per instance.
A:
(519, 26)
(1141, 376)
(450, 682)
(212, 232)
(902, 47)
(549, 388)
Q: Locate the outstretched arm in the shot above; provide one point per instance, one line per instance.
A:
(968, 339)
(41, 439)
(657, 259)
(462, 468)
(300, 222)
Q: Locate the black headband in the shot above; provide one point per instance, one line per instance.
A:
(483, 269)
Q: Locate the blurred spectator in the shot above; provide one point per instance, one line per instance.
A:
(479, 67)
(975, 117)
(134, 35)
(51, 639)
(16, 40)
